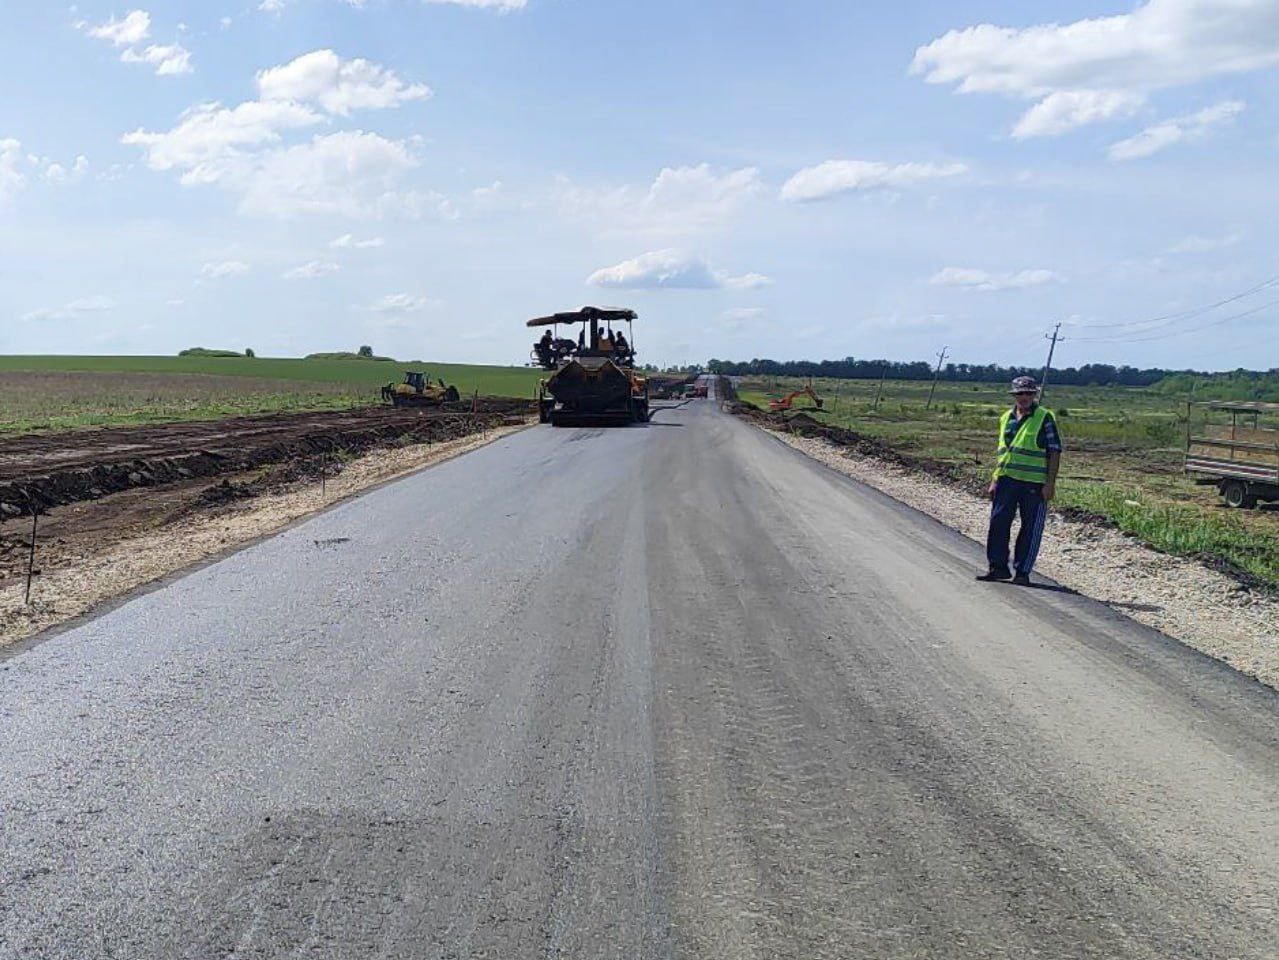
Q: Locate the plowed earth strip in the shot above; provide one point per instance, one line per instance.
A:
(39, 471)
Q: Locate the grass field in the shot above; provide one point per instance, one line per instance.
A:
(55, 392)
(1124, 451)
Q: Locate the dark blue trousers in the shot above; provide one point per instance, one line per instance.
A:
(1011, 497)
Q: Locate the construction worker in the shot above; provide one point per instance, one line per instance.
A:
(1024, 481)
(619, 343)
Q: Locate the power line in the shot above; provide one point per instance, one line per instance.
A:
(1140, 338)
(1171, 318)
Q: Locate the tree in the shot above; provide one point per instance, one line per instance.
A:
(366, 351)
(248, 352)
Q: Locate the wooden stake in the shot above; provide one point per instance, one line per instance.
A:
(31, 557)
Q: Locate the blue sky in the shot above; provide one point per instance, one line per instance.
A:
(795, 179)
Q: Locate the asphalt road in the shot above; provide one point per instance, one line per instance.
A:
(664, 691)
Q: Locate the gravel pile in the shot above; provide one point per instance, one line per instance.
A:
(1182, 598)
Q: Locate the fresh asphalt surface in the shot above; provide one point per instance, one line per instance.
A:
(664, 691)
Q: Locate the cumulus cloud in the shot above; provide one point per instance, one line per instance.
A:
(312, 270)
(658, 270)
(18, 168)
(240, 149)
(747, 281)
(672, 270)
(1066, 110)
(12, 161)
(348, 241)
(72, 310)
(338, 86)
(134, 28)
(207, 143)
(1163, 135)
(834, 177)
(222, 269)
(57, 174)
(972, 279)
(401, 302)
(503, 5)
(679, 200)
(741, 318)
(168, 60)
(351, 174)
(1104, 64)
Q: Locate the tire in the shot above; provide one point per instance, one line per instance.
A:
(1236, 495)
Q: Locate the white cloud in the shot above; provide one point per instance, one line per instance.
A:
(72, 310)
(347, 173)
(1176, 130)
(834, 177)
(1161, 44)
(206, 143)
(747, 281)
(221, 269)
(351, 174)
(338, 86)
(134, 28)
(57, 174)
(982, 280)
(312, 270)
(348, 241)
(271, 6)
(12, 162)
(502, 5)
(488, 194)
(658, 270)
(672, 270)
(168, 60)
(17, 168)
(1199, 244)
(907, 322)
(741, 318)
(397, 309)
(1066, 110)
(679, 200)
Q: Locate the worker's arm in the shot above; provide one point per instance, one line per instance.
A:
(1050, 439)
(1054, 464)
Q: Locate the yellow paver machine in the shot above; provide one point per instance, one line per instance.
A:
(592, 380)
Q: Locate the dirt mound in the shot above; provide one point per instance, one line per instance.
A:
(39, 471)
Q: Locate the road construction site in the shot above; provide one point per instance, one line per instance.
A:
(669, 690)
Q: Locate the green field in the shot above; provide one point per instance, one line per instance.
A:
(1123, 462)
(61, 392)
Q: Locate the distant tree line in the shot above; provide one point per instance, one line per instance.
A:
(1090, 374)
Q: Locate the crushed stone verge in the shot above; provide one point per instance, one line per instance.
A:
(1184, 599)
(65, 591)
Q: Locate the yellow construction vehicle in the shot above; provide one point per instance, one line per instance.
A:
(418, 391)
(593, 381)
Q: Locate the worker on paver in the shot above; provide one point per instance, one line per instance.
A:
(1025, 479)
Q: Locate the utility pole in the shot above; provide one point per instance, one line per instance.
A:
(1043, 381)
(883, 372)
(941, 358)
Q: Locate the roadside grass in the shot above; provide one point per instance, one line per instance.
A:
(1122, 444)
(59, 393)
(1181, 530)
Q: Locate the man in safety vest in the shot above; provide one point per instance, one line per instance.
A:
(1025, 479)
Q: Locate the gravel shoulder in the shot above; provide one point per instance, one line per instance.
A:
(74, 578)
(1187, 601)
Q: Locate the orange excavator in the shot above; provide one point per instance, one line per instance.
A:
(788, 402)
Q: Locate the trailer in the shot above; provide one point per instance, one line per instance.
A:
(1240, 457)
